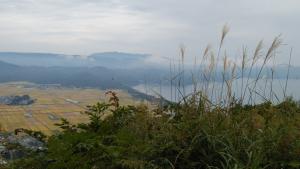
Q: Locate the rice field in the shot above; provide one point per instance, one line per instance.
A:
(52, 104)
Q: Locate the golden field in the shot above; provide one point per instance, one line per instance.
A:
(51, 104)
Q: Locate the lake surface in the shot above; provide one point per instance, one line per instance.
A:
(265, 89)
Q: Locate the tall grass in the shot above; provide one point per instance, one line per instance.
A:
(214, 76)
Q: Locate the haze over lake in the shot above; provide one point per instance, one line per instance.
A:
(263, 89)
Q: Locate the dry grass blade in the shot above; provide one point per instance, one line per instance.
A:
(207, 49)
(212, 62)
(275, 44)
(233, 71)
(225, 63)
(182, 52)
(225, 31)
(244, 59)
(257, 52)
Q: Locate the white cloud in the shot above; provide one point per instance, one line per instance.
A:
(157, 26)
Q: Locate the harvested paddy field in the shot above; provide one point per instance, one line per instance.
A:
(52, 102)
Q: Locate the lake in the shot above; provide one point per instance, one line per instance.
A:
(265, 89)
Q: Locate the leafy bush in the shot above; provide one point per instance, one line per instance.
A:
(132, 137)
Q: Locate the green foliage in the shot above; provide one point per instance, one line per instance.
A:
(135, 137)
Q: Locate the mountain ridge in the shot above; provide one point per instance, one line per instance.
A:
(105, 59)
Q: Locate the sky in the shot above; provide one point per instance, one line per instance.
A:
(156, 27)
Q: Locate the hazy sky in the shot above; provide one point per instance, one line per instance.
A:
(157, 27)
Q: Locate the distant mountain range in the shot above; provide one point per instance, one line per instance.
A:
(105, 59)
(79, 76)
(85, 77)
(101, 70)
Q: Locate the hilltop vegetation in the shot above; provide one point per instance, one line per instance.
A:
(132, 137)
